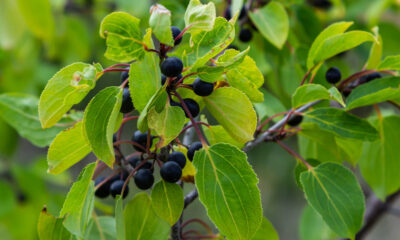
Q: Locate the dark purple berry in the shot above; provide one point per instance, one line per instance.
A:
(295, 120)
(333, 75)
(193, 107)
(245, 35)
(104, 190)
(202, 88)
(144, 179)
(172, 67)
(175, 33)
(178, 157)
(127, 105)
(171, 172)
(370, 77)
(116, 189)
(141, 139)
(192, 149)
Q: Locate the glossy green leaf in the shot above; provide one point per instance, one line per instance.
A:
(390, 63)
(248, 78)
(379, 162)
(99, 121)
(227, 187)
(119, 218)
(158, 101)
(379, 90)
(332, 30)
(167, 201)
(342, 124)
(145, 76)
(160, 23)
(200, 17)
(336, 95)
(217, 134)
(69, 147)
(21, 112)
(167, 124)
(375, 54)
(229, 106)
(78, 205)
(143, 222)
(266, 231)
(101, 228)
(340, 43)
(273, 23)
(50, 227)
(312, 226)
(333, 191)
(308, 93)
(39, 18)
(209, 44)
(66, 88)
(123, 37)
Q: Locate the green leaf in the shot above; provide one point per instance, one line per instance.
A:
(233, 110)
(207, 45)
(39, 18)
(227, 187)
(390, 63)
(99, 121)
(7, 198)
(101, 228)
(199, 17)
(21, 112)
(217, 134)
(340, 43)
(145, 76)
(236, 5)
(308, 93)
(312, 226)
(379, 161)
(160, 23)
(266, 231)
(332, 30)
(119, 218)
(269, 107)
(158, 100)
(167, 199)
(248, 78)
(78, 204)
(143, 222)
(375, 53)
(167, 124)
(65, 89)
(342, 124)
(273, 23)
(333, 191)
(336, 95)
(50, 227)
(69, 147)
(379, 90)
(123, 37)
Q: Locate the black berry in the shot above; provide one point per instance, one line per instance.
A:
(163, 79)
(243, 12)
(245, 35)
(333, 75)
(144, 179)
(227, 14)
(172, 67)
(193, 107)
(116, 189)
(202, 88)
(192, 149)
(141, 139)
(175, 104)
(179, 158)
(133, 161)
(171, 172)
(370, 77)
(323, 4)
(127, 105)
(124, 75)
(104, 190)
(175, 33)
(114, 138)
(120, 176)
(295, 120)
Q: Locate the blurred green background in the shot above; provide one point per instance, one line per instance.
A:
(39, 37)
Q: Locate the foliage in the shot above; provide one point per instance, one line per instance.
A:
(267, 89)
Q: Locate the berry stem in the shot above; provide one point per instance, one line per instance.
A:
(186, 76)
(131, 174)
(196, 127)
(129, 119)
(131, 143)
(119, 65)
(294, 154)
(115, 70)
(126, 81)
(259, 128)
(191, 125)
(107, 179)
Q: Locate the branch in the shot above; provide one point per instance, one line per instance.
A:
(190, 197)
(267, 135)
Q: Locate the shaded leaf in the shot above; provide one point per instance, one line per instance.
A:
(160, 23)
(200, 17)
(50, 227)
(227, 187)
(266, 231)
